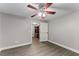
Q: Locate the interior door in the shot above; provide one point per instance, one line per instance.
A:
(43, 31)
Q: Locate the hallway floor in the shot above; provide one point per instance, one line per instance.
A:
(38, 49)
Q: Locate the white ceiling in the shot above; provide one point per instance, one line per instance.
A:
(21, 9)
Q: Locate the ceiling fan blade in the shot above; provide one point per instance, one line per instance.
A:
(30, 6)
(48, 5)
(34, 15)
(50, 12)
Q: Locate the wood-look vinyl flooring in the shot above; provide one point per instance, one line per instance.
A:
(38, 49)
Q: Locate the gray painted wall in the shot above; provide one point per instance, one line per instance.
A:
(15, 30)
(65, 30)
(0, 31)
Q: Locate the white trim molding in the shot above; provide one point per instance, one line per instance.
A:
(43, 40)
(14, 46)
(66, 47)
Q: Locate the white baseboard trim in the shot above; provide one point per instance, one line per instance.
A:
(66, 47)
(43, 40)
(14, 46)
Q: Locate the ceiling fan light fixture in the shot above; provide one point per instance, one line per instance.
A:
(43, 14)
(39, 14)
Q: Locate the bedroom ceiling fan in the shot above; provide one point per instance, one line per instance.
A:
(42, 10)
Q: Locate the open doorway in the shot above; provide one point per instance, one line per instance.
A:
(39, 32)
(35, 33)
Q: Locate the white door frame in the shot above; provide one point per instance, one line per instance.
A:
(39, 31)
